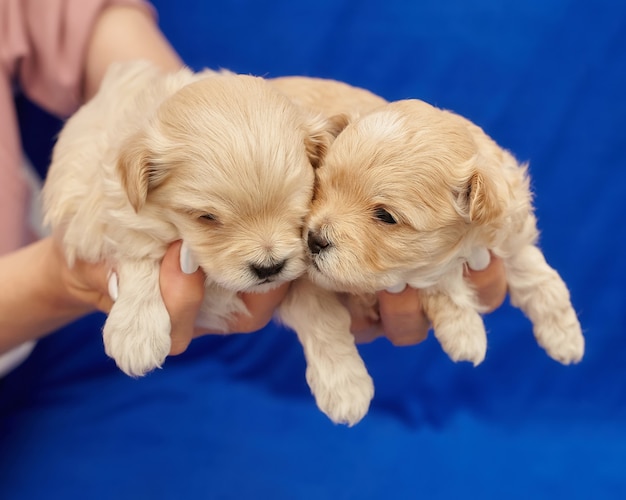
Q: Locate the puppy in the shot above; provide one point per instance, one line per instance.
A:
(221, 161)
(408, 194)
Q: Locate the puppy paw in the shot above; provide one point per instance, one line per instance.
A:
(561, 336)
(342, 390)
(137, 343)
(465, 340)
(466, 347)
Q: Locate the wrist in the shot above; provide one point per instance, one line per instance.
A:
(37, 298)
(66, 289)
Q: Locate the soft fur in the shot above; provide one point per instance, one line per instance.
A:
(335, 372)
(219, 160)
(405, 194)
(224, 162)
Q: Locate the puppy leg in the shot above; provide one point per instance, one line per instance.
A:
(541, 294)
(459, 329)
(137, 331)
(335, 371)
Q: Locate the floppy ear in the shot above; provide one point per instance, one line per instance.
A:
(484, 205)
(477, 201)
(139, 170)
(320, 134)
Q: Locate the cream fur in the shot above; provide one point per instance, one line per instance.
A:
(224, 162)
(335, 371)
(141, 164)
(405, 195)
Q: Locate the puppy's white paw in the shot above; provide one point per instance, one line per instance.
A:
(466, 347)
(342, 390)
(138, 343)
(561, 336)
(464, 340)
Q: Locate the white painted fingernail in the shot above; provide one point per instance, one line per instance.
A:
(479, 259)
(112, 286)
(399, 288)
(188, 264)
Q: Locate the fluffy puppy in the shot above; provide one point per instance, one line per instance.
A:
(406, 195)
(222, 161)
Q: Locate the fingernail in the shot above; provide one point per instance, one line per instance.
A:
(188, 264)
(113, 286)
(399, 288)
(479, 259)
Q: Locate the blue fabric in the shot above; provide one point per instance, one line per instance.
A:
(233, 418)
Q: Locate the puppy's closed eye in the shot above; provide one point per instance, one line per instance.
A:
(382, 215)
(207, 217)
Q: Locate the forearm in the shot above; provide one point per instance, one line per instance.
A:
(123, 34)
(34, 298)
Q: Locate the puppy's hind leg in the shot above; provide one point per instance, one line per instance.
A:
(137, 331)
(459, 328)
(541, 294)
(335, 371)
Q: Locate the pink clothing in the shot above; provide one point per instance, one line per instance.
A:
(42, 51)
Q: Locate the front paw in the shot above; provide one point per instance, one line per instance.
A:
(561, 336)
(342, 390)
(464, 340)
(138, 342)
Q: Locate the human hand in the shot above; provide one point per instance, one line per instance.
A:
(400, 317)
(183, 294)
(93, 285)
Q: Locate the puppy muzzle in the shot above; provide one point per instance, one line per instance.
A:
(265, 272)
(317, 243)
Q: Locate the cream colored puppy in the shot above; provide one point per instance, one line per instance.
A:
(408, 194)
(221, 161)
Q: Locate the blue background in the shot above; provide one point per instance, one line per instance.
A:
(232, 418)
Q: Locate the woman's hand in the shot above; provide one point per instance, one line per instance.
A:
(92, 286)
(400, 317)
(183, 294)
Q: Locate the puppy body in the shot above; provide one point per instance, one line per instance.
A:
(335, 372)
(221, 161)
(405, 195)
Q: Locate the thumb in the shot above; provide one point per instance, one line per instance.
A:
(182, 294)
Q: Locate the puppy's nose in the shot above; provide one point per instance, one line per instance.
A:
(316, 242)
(263, 271)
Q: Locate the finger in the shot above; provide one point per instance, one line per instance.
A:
(261, 308)
(490, 284)
(368, 333)
(182, 294)
(403, 319)
(364, 317)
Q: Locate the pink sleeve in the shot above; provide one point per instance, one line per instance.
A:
(42, 50)
(52, 46)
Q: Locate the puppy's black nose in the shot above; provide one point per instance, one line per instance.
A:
(317, 243)
(263, 271)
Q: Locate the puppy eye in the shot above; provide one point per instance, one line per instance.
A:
(383, 216)
(208, 217)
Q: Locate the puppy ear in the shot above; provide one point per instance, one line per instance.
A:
(139, 170)
(337, 123)
(483, 202)
(321, 133)
(477, 201)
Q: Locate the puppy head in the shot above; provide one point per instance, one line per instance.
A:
(228, 161)
(402, 193)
